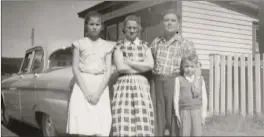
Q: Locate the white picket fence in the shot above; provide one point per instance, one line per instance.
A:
(236, 84)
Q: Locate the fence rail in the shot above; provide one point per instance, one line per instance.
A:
(236, 84)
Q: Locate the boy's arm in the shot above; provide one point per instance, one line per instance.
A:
(204, 100)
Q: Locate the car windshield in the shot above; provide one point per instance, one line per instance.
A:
(61, 58)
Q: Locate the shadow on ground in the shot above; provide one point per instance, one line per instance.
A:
(22, 130)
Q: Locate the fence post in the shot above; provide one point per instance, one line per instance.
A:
(258, 86)
(217, 85)
(250, 86)
(211, 84)
(236, 98)
(262, 82)
(223, 88)
(229, 85)
(243, 86)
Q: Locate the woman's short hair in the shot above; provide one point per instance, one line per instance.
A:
(129, 18)
(192, 58)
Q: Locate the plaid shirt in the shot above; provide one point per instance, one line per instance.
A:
(168, 54)
(135, 50)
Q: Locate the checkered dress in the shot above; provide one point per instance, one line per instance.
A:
(132, 108)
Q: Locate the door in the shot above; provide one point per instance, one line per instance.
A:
(10, 94)
(27, 87)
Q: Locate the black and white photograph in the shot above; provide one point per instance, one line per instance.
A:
(132, 68)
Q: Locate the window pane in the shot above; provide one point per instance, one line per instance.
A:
(37, 61)
(26, 64)
(61, 58)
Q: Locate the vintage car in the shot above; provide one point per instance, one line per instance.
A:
(39, 93)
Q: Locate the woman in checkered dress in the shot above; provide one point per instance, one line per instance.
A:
(132, 108)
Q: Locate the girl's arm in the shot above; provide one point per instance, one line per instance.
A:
(204, 100)
(176, 96)
(119, 62)
(144, 66)
(107, 75)
(76, 72)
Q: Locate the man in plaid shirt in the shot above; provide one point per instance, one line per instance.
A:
(168, 50)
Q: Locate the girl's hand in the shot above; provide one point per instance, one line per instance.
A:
(203, 121)
(178, 119)
(95, 98)
(203, 118)
(88, 97)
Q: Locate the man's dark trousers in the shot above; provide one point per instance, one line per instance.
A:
(164, 93)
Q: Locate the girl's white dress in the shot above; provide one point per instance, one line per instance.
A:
(83, 117)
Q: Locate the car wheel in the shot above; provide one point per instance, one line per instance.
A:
(48, 127)
(6, 120)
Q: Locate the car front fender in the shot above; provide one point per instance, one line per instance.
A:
(56, 109)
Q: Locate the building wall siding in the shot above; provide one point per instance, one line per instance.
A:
(215, 29)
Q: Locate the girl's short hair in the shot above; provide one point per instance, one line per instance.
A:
(192, 58)
(129, 18)
(87, 18)
(93, 14)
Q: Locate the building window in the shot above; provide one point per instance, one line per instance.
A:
(111, 32)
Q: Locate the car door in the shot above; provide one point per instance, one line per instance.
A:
(10, 96)
(27, 87)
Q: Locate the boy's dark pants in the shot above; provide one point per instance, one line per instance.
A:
(163, 101)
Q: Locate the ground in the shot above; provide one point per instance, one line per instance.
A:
(233, 125)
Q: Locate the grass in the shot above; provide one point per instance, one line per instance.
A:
(234, 125)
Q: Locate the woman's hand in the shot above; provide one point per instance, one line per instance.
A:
(128, 62)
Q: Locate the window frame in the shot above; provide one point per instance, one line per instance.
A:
(42, 60)
(58, 67)
(24, 60)
(31, 60)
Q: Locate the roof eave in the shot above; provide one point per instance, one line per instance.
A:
(98, 7)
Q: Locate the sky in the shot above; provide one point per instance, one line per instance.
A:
(52, 20)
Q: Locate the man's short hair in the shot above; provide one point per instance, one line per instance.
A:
(168, 11)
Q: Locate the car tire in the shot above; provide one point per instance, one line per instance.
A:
(6, 119)
(48, 127)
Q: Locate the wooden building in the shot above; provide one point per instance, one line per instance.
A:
(215, 27)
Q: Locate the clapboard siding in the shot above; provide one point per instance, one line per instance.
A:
(216, 30)
(199, 35)
(215, 18)
(223, 44)
(211, 7)
(215, 13)
(218, 33)
(215, 25)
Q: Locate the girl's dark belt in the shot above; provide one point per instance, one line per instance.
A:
(131, 74)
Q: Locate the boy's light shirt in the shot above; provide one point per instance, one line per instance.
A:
(177, 90)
